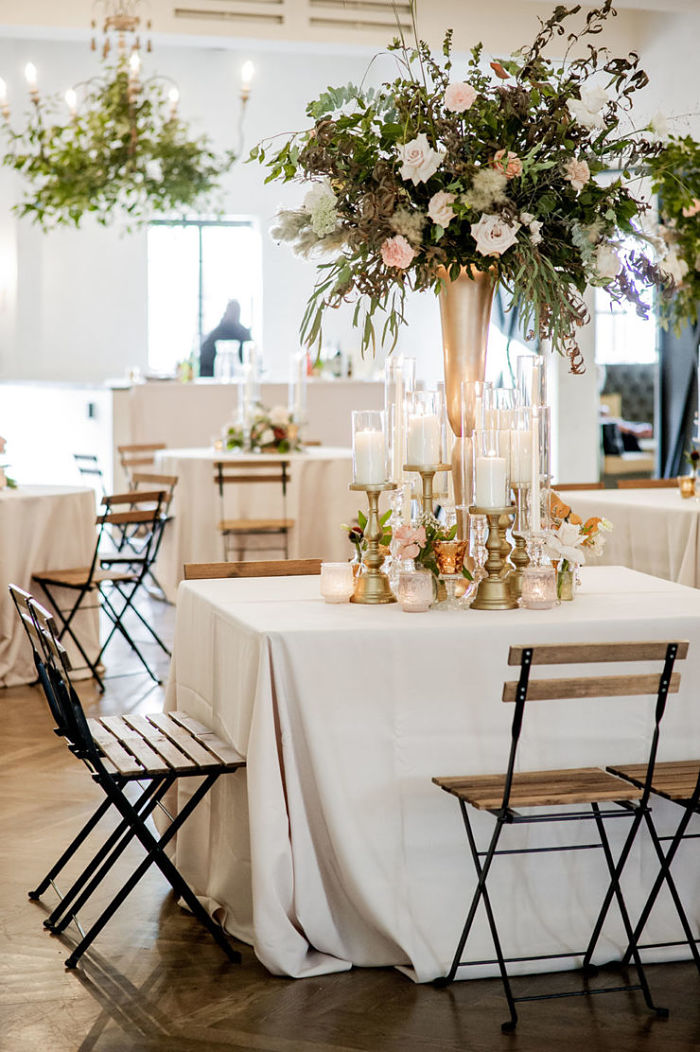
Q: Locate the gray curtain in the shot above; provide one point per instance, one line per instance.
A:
(677, 398)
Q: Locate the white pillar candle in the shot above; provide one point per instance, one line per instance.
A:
(370, 457)
(423, 440)
(535, 512)
(521, 458)
(490, 482)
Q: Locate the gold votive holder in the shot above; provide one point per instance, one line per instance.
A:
(373, 586)
(686, 485)
(494, 591)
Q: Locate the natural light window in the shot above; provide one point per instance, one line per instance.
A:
(195, 268)
(621, 336)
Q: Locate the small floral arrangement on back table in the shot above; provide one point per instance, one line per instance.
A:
(271, 431)
(5, 479)
(491, 168)
(572, 538)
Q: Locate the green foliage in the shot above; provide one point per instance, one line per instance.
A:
(675, 173)
(122, 154)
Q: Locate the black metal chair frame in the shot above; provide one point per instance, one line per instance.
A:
(134, 568)
(88, 466)
(220, 478)
(690, 807)
(52, 666)
(505, 815)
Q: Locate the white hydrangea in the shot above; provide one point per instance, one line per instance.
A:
(320, 202)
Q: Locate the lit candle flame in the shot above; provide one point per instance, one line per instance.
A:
(71, 100)
(30, 73)
(247, 72)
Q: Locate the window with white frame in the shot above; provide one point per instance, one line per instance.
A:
(195, 267)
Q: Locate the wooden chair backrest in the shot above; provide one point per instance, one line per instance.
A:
(578, 485)
(647, 483)
(245, 472)
(269, 568)
(153, 479)
(596, 686)
(138, 455)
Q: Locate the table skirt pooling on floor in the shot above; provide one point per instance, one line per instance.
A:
(334, 848)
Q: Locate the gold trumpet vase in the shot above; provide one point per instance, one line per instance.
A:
(465, 312)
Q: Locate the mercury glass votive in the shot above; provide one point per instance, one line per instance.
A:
(416, 591)
(337, 582)
(539, 587)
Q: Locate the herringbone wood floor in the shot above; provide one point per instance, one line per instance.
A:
(155, 981)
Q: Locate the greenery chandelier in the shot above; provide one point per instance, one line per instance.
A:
(114, 146)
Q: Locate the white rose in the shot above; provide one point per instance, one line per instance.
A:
(493, 235)
(588, 110)
(535, 228)
(319, 194)
(267, 437)
(419, 159)
(607, 262)
(279, 416)
(659, 126)
(440, 208)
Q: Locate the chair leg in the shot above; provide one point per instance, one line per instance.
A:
(480, 893)
(615, 873)
(118, 626)
(664, 874)
(155, 854)
(70, 850)
(109, 853)
(130, 606)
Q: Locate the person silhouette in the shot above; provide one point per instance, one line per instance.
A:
(229, 328)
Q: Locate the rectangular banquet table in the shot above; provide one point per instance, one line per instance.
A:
(318, 500)
(334, 848)
(656, 530)
(42, 528)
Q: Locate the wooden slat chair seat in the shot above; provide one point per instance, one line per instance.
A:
(153, 751)
(541, 788)
(266, 568)
(235, 531)
(516, 797)
(83, 576)
(673, 779)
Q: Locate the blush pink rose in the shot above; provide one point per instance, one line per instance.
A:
(409, 540)
(692, 210)
(459, 97)
(578, 173)
(440, 208)
(397, 252)
(509, 164)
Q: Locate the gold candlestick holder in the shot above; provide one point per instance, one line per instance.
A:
(494, 589)
(427, 474)
(519, 556)
(373, 586)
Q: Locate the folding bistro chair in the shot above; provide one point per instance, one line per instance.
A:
(235, 532)
(153, 751)
(503, 795)
(114, 578)
(271, 568)
(679, 782)
(132, 539)
(137, 456)
(89, 467)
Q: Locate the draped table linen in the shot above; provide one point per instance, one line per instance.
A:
(655, 531)
(41, 528)
(318, 500)
(334, 848)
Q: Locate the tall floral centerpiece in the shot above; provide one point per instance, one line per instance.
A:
(474, 171)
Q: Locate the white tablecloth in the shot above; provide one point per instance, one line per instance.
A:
(345, 853)
(318, 499)
(656, 531)
(42, 528)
